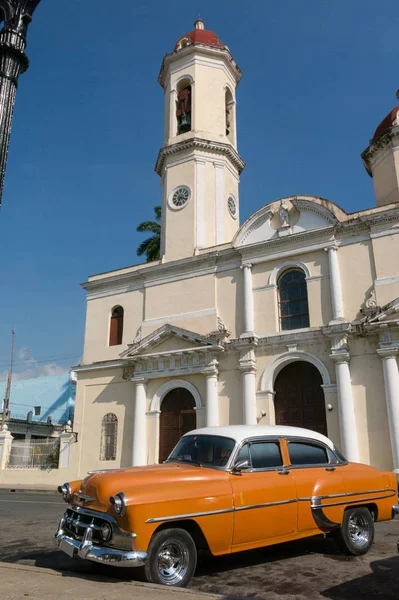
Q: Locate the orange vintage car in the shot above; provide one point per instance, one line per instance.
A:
(224, 489)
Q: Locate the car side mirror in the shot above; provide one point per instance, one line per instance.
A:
(241, 465)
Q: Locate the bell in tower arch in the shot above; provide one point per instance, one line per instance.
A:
(183, 110)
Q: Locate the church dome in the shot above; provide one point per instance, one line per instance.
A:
(199, 35)
(389, 121)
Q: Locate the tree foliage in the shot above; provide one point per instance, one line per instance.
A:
(151, 247)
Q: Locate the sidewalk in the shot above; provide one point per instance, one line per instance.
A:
(32, 487)
(19, 581)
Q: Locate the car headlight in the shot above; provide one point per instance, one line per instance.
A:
(119, 503)
(66, 491)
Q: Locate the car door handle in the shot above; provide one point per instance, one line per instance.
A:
(330, 468)
(283, 472)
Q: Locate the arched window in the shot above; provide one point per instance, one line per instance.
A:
(183, 106)
(116, 326)
(109, 433)
(230, 116)
(293, 300)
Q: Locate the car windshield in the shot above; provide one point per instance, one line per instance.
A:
(203, 450)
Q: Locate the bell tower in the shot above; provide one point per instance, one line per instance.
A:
(199, 164)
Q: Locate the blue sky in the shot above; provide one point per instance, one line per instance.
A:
(318, 78)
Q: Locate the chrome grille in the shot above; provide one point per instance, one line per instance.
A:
(76, 524)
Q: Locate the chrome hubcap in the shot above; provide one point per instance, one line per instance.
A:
(172, 562)
(359, 530)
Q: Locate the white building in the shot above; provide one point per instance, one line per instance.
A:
(290, 318)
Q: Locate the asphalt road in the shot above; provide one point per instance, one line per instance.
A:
(311, 569)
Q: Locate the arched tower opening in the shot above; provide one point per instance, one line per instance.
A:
(183, 106)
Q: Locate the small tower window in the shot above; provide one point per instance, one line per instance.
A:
(293, 300)
(109, 433)
(183, 106)
(116, 327)
(230, 116)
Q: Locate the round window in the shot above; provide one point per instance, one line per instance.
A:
(180, 197)
(232, 206)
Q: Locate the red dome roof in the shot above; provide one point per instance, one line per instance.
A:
(386, 123)
(201, 36)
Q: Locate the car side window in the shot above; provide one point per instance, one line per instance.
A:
(265, 455)
(307, 454)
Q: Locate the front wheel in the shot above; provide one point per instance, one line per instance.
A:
(171, 559)
(356, 534)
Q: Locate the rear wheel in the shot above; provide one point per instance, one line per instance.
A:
(356, 534)
(172, 558)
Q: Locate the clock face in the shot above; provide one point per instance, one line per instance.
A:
(180, 196)
(232, 207)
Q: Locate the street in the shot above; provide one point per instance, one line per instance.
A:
(309, 569)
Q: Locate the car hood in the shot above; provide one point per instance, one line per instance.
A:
(96, 489)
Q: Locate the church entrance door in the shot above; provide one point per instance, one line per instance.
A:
(299, 397)
(177, 418)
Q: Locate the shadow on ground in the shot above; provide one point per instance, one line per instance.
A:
(385, 575)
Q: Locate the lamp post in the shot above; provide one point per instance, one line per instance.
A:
(16, 16)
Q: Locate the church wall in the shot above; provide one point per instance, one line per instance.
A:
(355, 262)
(231, 183)
(98, 317)
(370, 405)
(386, 250)
(211, 124)
(170, 301)
(210, 208)
(230, 390)
(96, 396)
(230, 300)
(386, 180)
(179, 223)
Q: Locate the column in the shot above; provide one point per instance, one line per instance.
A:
(391, 383)
(249, 320)
(219, 202)
(335, 284)
(212, 399)
(139, 456)
(172, 114)
(247, 365)
(346, 407)
(66, 438)
(5, 446)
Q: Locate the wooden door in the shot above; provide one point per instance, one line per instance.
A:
(299, 399)
(177, 418)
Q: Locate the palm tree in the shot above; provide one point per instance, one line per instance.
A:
(151, 247)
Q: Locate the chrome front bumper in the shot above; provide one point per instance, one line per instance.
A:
(100, 554)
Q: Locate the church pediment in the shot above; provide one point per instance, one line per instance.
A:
(171, 340)
(292, 215)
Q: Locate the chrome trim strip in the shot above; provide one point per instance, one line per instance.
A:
(347, 494)
(313, 505)
(241, 508)
(321, 520)
(190, 515)
(85, 498)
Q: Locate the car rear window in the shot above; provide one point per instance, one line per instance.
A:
(307, 454)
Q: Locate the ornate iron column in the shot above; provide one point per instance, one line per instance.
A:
(16, 15)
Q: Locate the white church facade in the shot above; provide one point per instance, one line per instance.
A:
(290, 318)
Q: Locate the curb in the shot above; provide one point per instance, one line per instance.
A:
(28, 489)
(160, 589)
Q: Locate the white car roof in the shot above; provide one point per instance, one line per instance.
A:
(242, 432)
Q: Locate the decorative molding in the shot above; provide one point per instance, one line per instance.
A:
(279, 362)
(288, 265)
(106, 364)
(388, 352)
(201, 144)
(161, 392)
(384, 233)
(387, 280)
(181, 316)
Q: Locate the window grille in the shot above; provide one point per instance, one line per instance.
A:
(293, 300)
(109, 433)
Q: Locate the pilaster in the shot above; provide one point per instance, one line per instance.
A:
(249, 317)
(335, 284)
(391, 384)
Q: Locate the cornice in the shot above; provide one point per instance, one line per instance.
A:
(376, 145)
(204, 49)
(199, 144)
